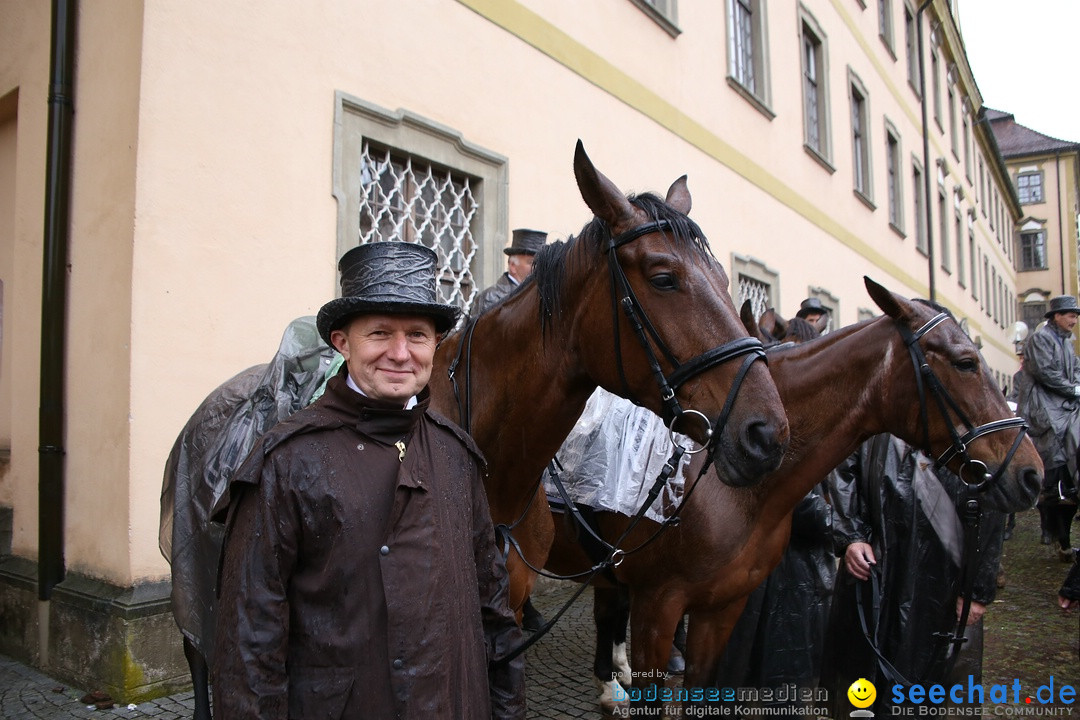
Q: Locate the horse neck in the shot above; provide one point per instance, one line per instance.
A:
(526, 391)
(836, 391)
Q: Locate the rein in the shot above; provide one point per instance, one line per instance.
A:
(981, 481)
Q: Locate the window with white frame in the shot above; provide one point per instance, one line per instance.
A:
(754, 281)
(399, 176)
(967, 141)
(953, 134)
(747, 51)
(943, 220)
(1033, 250)
(1029, 186)
(935, 85)
(885, 23)
(860, 138)
(664, 12)
(815, 95)
(892, 166)
(911, 48)
(917, 191)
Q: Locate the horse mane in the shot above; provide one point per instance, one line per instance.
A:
(558, 260)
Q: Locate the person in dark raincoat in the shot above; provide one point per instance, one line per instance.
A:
(360, 576)
(778, 638)
(1052, 408)
(901, 538)
(519, 261)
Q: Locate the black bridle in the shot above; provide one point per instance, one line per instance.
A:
(622, 295)
(925, 379)
(970, 512)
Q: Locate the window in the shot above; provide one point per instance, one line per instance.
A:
(1029, 187)
(892, 163)
(952, 121)
(1033, 250)
(958, 234)
(1034, 313)
(920, 210)
(943, 219)
(400, 176)
(885, 23)
(747, 51)
(754, 281)
(815, 99)
(664, 12)
(911, 47)
(967, 142)
(935, 76)
(974, 266)
(975, 275)
(860, 139)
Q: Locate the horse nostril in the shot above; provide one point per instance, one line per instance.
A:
(1032, 483)
(762, 442)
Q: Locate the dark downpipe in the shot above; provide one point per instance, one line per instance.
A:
(926, 150)
(54, 300)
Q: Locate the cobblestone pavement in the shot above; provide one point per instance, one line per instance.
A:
(559, 675)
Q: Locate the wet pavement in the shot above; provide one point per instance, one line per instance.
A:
(558, 671)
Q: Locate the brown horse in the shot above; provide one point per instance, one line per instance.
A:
(611, 303)
(838, 390)
(604, 308)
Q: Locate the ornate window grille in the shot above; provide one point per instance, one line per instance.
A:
(404, 198)
(756, 291)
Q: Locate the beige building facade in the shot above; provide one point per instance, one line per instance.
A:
(1046, 173)
(224, 154)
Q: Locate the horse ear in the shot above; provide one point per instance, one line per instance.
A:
(605, 200)
(767, 322)
(746, 314)
(678, 196)
(891, 303)
(779, 326)
(821, 323)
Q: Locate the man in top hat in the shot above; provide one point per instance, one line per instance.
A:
(360, 575)
(811, 310)
(1052, 408)
(519, 262)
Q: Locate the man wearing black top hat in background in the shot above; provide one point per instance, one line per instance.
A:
(519, 261)
(811, 310)
(360, 574)
(1052, 408)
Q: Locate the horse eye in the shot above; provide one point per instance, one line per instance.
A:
(663, 281)
(967, 365)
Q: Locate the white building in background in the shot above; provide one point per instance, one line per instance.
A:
(224, 154)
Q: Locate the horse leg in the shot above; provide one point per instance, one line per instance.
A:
(610, 613)
(653, 617)
(677, 663)
(200, 680)
(707, 636)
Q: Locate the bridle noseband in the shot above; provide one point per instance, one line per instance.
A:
(925, 378)
(622, 295)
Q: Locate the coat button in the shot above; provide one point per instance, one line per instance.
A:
(384, 550)
(398, 664)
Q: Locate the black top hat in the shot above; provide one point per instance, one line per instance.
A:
(396, 278)
(1062, 303)
(526, 242)
(811, 305)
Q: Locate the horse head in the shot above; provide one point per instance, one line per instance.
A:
(962, 417)
(670, 338)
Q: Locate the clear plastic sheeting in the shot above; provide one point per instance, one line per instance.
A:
(212, 445)
(614, 454)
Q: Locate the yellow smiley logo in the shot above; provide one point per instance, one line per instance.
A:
(862, 693)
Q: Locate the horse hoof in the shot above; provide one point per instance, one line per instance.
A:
(612, 696)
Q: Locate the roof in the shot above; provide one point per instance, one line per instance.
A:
(1015, 140)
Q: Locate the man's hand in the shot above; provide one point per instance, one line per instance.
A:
(858, 558)
(975, 612)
